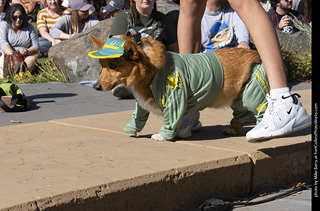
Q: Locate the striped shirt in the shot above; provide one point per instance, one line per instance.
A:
(45, 20)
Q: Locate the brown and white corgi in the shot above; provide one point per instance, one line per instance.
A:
(174, 85)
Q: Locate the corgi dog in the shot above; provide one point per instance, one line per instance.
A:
(174, 85)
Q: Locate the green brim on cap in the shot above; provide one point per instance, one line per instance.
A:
(113, 48)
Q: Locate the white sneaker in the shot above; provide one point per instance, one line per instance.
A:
(190, 123)
(280, 118)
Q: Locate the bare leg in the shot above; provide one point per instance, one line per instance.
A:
(189, 25)
(264, 37)
(31, 62)
(189, 41)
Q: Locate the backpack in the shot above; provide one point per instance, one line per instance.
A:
(12, 98)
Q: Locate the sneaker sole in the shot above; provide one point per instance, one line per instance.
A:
(187, 132)
(302, 120)
(122, 92)
(196, 127)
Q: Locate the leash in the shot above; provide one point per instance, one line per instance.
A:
(135, 35)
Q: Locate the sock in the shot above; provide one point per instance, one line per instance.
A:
(282, 92)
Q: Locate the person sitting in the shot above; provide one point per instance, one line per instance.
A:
(77, 22)
(97, 8)
(222, 27)
(146, 20)
(4, 5)
(281, 16)
(46, 18)
(29, 5)
(16, 34)
(112, 10)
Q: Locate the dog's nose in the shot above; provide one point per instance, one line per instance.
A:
(97, 86)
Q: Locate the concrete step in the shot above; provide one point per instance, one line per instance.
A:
(89, 163)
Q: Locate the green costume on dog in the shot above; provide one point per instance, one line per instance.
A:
(191, 82)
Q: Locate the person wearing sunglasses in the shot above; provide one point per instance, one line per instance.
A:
(16, 34)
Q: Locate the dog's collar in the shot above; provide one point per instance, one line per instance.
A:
(113, 48)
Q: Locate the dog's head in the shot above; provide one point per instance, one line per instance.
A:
(122, 63)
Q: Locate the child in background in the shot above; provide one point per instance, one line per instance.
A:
(222, 27)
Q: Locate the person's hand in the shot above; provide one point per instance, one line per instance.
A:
(23, 51)
(285, 20)
(243, 45)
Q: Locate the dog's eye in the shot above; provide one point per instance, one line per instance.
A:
(112, 66)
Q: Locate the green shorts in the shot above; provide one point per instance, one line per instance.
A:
(252, 98)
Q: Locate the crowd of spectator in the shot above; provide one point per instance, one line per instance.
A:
(58, 20)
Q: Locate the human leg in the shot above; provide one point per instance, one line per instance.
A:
(31, 62)
(284, 113)
(265, 39)
(189, 25)
(44, 44)
(189, 41)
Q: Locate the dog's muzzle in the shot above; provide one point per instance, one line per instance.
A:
(97, 86)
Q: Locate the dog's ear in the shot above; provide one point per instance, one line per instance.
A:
(131, 51)
(97, 41)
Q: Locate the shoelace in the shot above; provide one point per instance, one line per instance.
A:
(295, 101)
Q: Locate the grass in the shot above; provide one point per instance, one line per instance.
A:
(299, 64)
(45, 72)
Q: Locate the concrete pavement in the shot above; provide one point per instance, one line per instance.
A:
(63, 100)
(74, 160)
(299, 201)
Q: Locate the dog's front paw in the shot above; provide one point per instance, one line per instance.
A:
(157, 137)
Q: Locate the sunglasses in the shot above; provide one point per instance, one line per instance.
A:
(16, 17)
